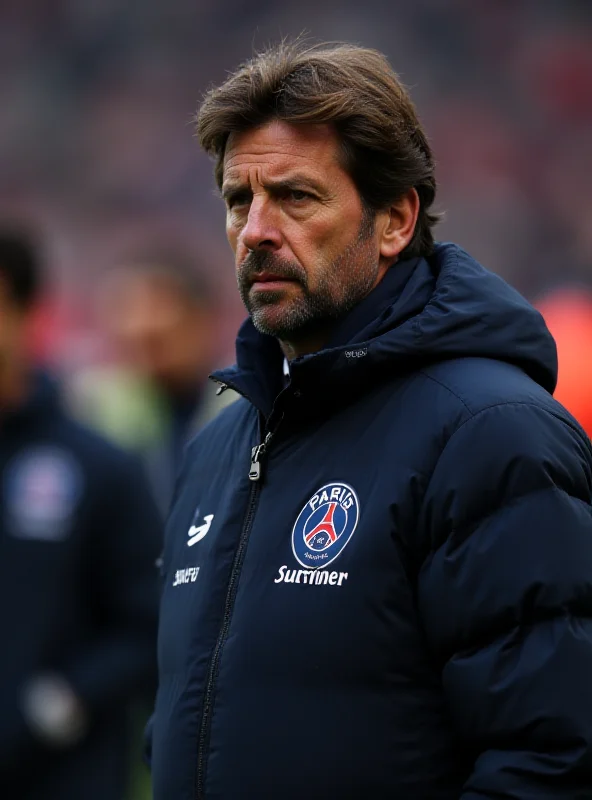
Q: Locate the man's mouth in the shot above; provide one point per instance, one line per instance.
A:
(269, 281)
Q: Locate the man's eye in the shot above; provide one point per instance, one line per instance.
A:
(238, 200)
(299, 194)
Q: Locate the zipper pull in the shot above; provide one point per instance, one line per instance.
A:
(257, 454)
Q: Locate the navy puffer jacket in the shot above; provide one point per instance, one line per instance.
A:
(377, 581)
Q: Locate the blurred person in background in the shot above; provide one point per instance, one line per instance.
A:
(79, 534)
(160, 314)
(377, 572)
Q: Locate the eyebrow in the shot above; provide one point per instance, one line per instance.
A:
(275, 186)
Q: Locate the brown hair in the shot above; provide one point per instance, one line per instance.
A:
(352, 88)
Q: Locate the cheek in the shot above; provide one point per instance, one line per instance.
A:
(312, 243)
(318, 251)
(232, 232)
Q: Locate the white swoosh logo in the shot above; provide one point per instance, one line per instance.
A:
(197, 533)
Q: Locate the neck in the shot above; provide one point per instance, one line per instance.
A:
(306, 345)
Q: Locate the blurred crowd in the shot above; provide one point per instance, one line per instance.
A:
(96, 141)
(97, 157)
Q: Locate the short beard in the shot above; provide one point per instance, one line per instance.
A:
(340, 286)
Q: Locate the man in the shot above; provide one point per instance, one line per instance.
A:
(377, 572)
(78, 592)
(160, 315)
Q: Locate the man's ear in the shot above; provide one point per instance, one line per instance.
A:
(398, 225)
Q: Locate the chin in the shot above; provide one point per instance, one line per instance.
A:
(283, 323)
(269, 323)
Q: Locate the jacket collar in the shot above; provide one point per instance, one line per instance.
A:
(443, 307)
(258, 372)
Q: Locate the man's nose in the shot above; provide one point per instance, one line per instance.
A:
(261, 231)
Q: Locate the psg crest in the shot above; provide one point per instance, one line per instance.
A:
(325, 525)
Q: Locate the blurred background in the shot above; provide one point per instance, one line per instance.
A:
(97, 148)
(97, 153)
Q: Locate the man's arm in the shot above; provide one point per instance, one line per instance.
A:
(506, 599)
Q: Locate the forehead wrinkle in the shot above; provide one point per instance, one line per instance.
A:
(246, 160)
(291, 150)
(313, 149)
(270, 173)
(284, 180)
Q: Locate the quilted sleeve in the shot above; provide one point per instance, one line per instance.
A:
(505, 598)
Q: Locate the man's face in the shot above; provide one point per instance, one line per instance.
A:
(305, 248)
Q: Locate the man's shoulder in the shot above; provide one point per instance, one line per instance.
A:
(507, 411)
(215, 454)
(481, 383)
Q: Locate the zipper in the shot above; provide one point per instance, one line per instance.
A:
(255, 470)
(257, 454)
